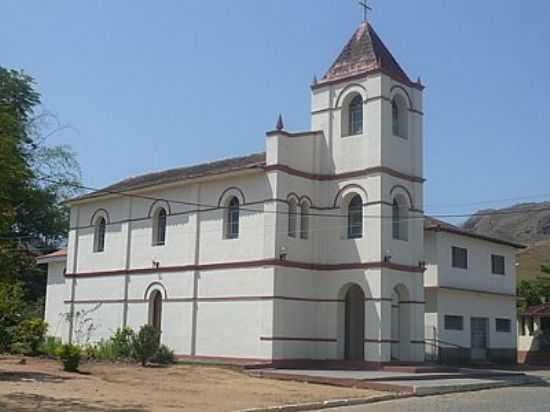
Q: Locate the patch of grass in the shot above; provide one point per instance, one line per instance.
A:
(531, 259)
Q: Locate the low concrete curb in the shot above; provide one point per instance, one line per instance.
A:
(443, 389)
(333, 403)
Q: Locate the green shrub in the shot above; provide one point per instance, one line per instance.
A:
(89, 352)
(122, 343)
(50, 346)
(70, 357)
(145, 343)
(29, 335)
(164, 355)
(12, 312)
(118, 346)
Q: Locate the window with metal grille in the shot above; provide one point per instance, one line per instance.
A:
(395, 117)
(503, 325)
(232, 224)
(459, 257)
(356, 115)
(355, 218)
(99, 235)
(292, 218)
(497, 265)
(304, 220)
(159, 227)
(454, 322)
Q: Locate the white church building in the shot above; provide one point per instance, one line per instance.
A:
(315, 250)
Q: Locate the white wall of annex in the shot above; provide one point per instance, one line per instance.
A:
(55, 307)
(468, 305)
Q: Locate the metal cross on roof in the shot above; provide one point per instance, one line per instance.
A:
(366, 8)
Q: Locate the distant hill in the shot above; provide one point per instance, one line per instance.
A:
(525, 223)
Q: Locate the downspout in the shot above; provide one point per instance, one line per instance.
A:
(127, 264)
(73, 278)
(196, 275)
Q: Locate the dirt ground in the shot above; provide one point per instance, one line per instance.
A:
(41, 385)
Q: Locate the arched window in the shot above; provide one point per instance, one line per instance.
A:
(399, 116)
(355, 116)
(232, 221)
(355, 218)
(159, 227)
(99, 234)
(292, 218)
(155, 310)
(395, 117)
(400, 220)
(304, 220)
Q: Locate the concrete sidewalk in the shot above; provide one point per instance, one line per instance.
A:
(419, 384)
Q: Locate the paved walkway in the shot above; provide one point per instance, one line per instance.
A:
(416, 383)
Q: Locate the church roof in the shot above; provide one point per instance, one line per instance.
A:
(365, 53)
(180, 173)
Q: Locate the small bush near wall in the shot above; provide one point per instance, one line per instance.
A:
(145, 343)
(164, 356)
(70, 357)
(29, 336)
(117, 347)
(50, 346)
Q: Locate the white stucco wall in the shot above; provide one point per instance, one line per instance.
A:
(55, 307)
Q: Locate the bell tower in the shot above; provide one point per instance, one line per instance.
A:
(370, 114)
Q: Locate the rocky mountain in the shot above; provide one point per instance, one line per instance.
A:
(525, 223)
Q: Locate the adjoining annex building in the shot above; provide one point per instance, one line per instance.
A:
(316, 249)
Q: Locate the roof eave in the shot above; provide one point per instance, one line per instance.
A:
(475, 236)
(328, 82)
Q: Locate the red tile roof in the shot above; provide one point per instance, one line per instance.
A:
(61, 253)
(539, 310)
(365, 53)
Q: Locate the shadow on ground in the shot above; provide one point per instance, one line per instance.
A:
(22, 402)
(17, 376)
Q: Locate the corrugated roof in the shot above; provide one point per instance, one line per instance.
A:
(179, 174)
(433, 224)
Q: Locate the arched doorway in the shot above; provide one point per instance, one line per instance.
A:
(400, 324)
(155, 310)
(354, 336)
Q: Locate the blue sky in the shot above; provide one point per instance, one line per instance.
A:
(149, 85)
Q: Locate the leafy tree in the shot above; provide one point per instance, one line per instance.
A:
(35, 179)
(534, 292)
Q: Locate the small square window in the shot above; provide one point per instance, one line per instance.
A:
(460, 257)
(453, 322)
(503, 325)
(497, 265)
